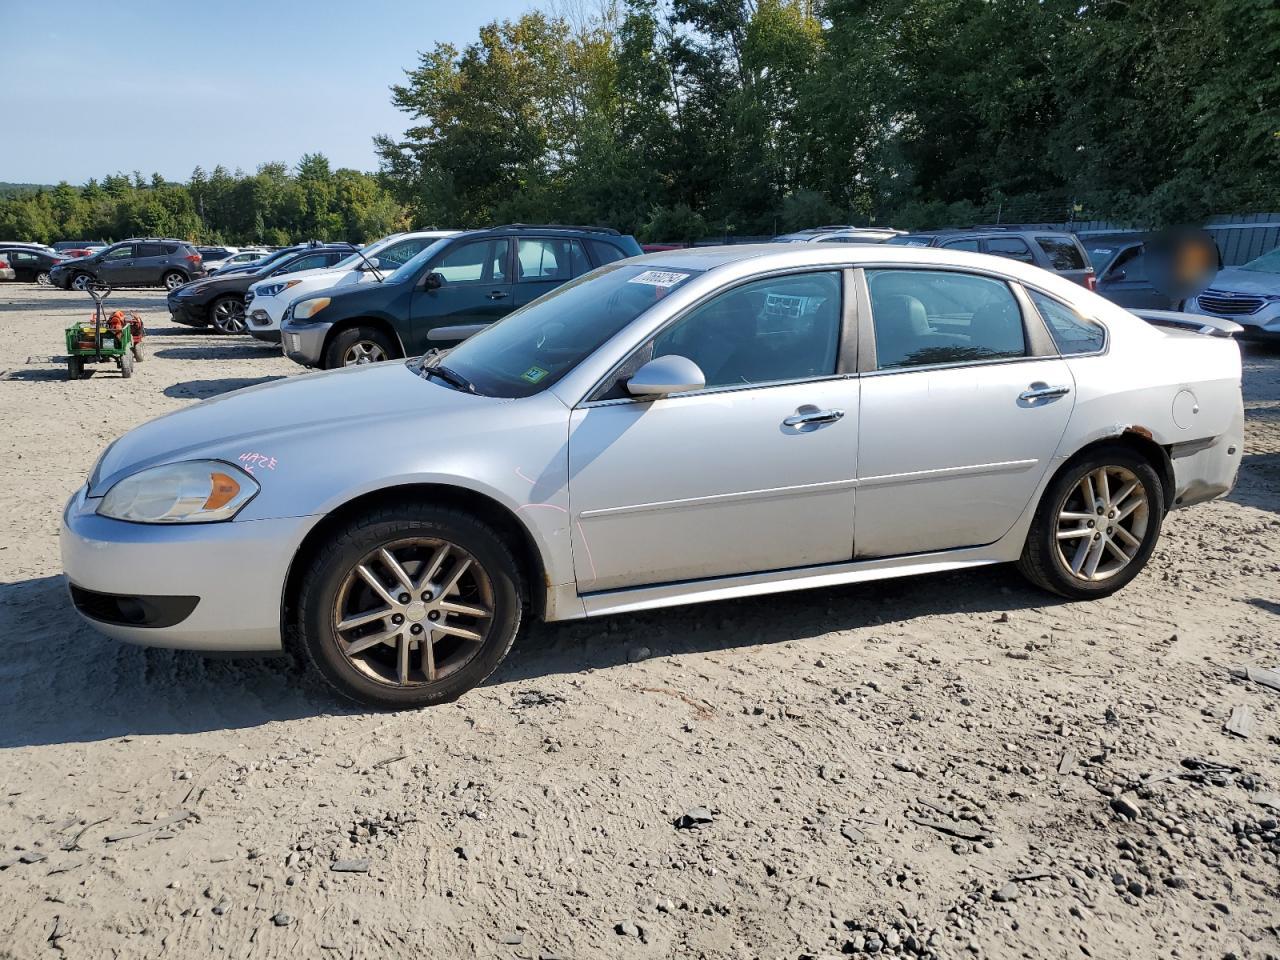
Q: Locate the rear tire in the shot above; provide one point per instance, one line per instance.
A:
(357, 346)
(173, 280)
(126, 365)
(393, 672)
(1084, 550)
(228, 315)
(138, 355)
(42, 278)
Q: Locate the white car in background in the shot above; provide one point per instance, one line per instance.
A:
(238, 259)
(267, 300)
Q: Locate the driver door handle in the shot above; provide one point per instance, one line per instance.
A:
(498, 295)
(1042, 391)
(809, 414)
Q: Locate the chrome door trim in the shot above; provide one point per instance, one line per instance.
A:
(771, 493)
(946, 473)
(728, 388)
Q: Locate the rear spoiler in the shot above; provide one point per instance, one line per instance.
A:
(1208, 326)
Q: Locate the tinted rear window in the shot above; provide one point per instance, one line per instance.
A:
(1063, 254)
(1012, 247)
(602, 252)
(149, 250)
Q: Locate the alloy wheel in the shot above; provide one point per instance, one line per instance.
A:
(363, 351)
(173, 281)
(413, 612)
(42, 278)
(81, 282)
(228, 316)
(1102, 523)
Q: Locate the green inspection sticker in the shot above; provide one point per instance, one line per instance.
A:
(533, 374)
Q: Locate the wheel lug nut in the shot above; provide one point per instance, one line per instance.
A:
(397, 619)
(433, 615)
(427, 596)
(1097, 536)
(405, 598)
(416, 628)
(1090, 523)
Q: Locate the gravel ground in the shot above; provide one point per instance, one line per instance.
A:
(950, 766)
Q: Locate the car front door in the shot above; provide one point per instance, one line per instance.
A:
(543, 263)
(475, 288)
(116, 266)
(754, 472)
(964, 401)
(1126, 282)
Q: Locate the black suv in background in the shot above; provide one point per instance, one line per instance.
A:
(30, 264)
(460, 282)
(219, 299)
(1058, 252)
(141, 262)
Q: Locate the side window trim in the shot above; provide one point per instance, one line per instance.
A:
(1040, 345)
(847, 331)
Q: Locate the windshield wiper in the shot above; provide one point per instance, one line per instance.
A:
(451, 377)
(421, 366)
(376, 273)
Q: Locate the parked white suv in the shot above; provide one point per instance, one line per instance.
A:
(267, 300)
(237, 258)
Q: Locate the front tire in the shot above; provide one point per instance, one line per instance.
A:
(357, 346)
(81, 282)
(409, 606)
(228, 315)
(1096, 525)
(75, 368)
(126, 365)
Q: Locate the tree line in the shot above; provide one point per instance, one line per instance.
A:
(276, 205)
(679, 119)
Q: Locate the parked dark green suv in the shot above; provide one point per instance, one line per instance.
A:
(442, 294)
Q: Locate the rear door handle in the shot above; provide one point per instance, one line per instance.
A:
(1042, 391)
(498, 295)
(809, 414)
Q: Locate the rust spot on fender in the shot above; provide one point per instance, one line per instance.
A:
(1139, 430)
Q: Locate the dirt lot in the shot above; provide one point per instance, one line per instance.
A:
(953, 766)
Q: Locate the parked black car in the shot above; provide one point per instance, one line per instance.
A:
(1151, 270)
(30, 265)
(140, 262)
(219, 299)
(471, 278)
(1052, 250)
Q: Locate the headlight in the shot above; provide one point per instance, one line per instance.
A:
(309, 308)
(196, 491)
(273, 289)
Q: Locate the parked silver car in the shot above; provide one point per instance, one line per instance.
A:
(691, 425)
(1248, 294)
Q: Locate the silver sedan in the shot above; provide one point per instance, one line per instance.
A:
(690, 425)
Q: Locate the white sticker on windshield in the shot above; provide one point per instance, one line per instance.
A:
(659, 278)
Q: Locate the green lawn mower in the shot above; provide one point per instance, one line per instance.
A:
(117, 338)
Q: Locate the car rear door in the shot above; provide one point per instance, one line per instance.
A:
(24, 263)
(1011, 248)
(544, 263)
(964, 401)
(150, 261)
(755, 472)
(475, 288)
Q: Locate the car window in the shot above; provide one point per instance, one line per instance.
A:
(119, 253)
(1071, 332)
(1013, 248)
(478, 260)
(781, 328)
(310, 262)
(604, 252)
(924, 317)
(908, 241)
(1063, 254)
(1132, 262)
(17, 256)
(150, 250)
(547, 259)
(967, 244)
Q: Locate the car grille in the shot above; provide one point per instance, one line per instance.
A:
(1229, 304)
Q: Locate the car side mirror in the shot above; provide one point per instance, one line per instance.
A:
(432, 281)
(373, 263)
(663, 375)
(1116, 274)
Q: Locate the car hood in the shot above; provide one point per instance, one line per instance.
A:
(1235, 280)
(319, 273)
(312, 407)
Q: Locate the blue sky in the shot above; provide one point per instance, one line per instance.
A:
(97, 87)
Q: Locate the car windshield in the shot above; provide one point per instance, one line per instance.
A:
(1267, 263)
(529, 350)
(1102, 253)
(411, 266)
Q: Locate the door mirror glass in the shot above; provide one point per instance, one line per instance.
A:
(373, 263)
(663, 375)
